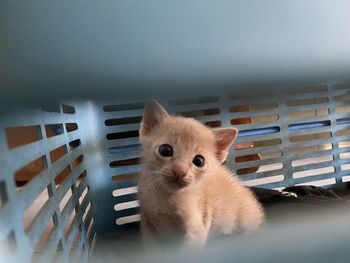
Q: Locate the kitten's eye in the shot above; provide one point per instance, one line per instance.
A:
(165, 150)
(198, 161)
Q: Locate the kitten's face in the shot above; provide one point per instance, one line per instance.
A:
(178, 152)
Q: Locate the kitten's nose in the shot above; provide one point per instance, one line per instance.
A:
(179, 171)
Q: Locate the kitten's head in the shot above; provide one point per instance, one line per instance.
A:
(178, 151)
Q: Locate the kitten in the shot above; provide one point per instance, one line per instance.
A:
(184, 189)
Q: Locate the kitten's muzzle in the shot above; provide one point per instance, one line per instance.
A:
(179, 172)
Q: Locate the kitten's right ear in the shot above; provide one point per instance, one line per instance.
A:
(153, 116)
(224, 139)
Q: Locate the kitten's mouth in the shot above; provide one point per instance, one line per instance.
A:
(180, 183)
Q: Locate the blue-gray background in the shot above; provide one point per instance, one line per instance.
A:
(106, 48)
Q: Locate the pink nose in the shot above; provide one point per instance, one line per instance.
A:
(179, 171)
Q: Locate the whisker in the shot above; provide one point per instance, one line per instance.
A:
(154, 184)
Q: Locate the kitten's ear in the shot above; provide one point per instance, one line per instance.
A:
(224, 139)
(153, 116)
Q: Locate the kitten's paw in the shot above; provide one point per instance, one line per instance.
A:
(251, 224)
(195, 240)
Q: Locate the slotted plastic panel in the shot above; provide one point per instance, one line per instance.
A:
(44, 206)
(123, 155)
(285, 138)
(85, 160)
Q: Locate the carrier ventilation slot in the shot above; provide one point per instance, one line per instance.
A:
(343, 121)
(81, 178)
(256, 144)
(54, 107)
(261, 131)
(199, 113)
(125, 149)
(253, 157)
(125, 177)
(345, 132)
(3, 194)
(260, 169)
(65, 199)
(308, 113)
(345, 155)
(254, 119)
(128, 219)
(344, 97)
(344, 144)
(30, 171)
(69, 223)
(341, 86)
(57, 153)
(303, 102)
(342, 109)
(34, 209)
(41, 244)
(63, 175)
(308, 125)
(323, 182)
(312, 160)
(310, 149)
(19, 136)
(71, 127)
(196, 100)
(310, 137)
(53, 130)
(87, 210)
(125, 191)
(126, 162)
(68, 109)
(126, 205)
(122, 135)
(83, 195)
(74, 144)
(313, 172)
(213, 124)
(123, 121)
(263, 181)
(346, 178)
(306, 90)
(123, 107)
(253, 107)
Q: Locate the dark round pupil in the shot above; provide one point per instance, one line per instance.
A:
(198, 160)
(165, 150)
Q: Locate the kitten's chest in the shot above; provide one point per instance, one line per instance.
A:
(163, 206)
(165, 212)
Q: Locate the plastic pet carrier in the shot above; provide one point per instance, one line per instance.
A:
(77, 75)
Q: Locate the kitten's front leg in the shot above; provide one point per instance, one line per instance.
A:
(148, 233)
(196, 233)
(251, 215)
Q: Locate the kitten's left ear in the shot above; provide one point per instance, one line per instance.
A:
(224, 139)
(153, 116)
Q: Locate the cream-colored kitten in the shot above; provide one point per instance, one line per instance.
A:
(184, 189)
